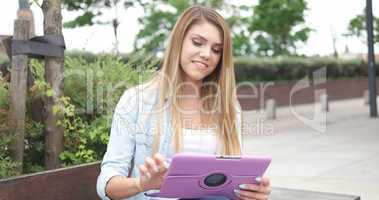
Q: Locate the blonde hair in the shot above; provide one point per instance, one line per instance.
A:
(223, 97)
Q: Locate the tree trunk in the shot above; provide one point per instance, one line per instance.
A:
(36, 107)
(54, 77)
(17, 101)
(27, 14)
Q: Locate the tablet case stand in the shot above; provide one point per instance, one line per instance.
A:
(202, 176)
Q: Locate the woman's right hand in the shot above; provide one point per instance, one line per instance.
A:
(152, 172)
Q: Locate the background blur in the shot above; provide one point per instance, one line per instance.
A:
(301, 68)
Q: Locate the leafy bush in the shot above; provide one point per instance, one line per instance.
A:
(90, 57)
(7, 166)
(295, 68)
(86, 142)
(95, 87)
(3, 94)
(34, 147)
(4, 61)
(91, 91)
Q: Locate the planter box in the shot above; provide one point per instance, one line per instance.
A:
(253, 97)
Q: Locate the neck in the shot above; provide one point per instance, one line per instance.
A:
(192, 88)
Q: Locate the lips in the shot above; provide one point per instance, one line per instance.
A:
(200, 64)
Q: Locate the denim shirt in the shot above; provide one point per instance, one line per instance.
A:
(131, 136)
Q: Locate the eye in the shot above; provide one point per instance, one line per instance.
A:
(196, 43)
(217, 50)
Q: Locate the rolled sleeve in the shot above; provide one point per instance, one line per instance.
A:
(121, 146)
(105, 175)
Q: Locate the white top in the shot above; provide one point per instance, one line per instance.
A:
(198, 141)
(202, 141)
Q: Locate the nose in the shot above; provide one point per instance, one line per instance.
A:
(205, 52)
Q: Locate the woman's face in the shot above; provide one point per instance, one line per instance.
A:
(201, 51)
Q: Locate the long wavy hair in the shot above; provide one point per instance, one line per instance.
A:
(222, 97)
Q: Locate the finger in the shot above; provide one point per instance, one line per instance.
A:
(239, 197)
(251, 195)
(265, 181)
(256, 188)
(151, 166)
(144, 171)
(158, 157)
(251, 187)
(160, 162)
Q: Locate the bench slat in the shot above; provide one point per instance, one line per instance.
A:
(72, 183)
(79, 182)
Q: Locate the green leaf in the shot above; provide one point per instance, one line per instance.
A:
(55, 109)
(273, 22)
(49, 92)
(357, 27)
(82, 20)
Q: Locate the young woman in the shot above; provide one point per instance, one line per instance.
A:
(189, 106)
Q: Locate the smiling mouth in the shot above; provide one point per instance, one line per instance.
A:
(200, 64)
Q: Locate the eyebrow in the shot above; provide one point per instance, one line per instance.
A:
(203, 38)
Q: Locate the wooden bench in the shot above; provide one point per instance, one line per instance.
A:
(79, 182)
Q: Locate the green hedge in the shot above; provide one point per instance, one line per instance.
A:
(277, 69)
(282, 69)
(92, 57)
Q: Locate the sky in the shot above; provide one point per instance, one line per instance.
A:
(326, 17)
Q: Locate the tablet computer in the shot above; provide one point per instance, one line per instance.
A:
(201, 176)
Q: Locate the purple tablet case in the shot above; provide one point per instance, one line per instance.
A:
(202, 176)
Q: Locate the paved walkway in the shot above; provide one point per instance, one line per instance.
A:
(342, 159)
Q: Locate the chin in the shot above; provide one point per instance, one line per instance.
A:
(197, 77)
(195, 74)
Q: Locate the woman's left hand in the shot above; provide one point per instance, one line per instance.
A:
(254, 191)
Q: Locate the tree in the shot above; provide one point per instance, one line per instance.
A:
(160, 17)
(52, 25)
(277, 26)
(242, 44)
(18, 86)
(273, 27)
(357, 28)
(92, 11)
